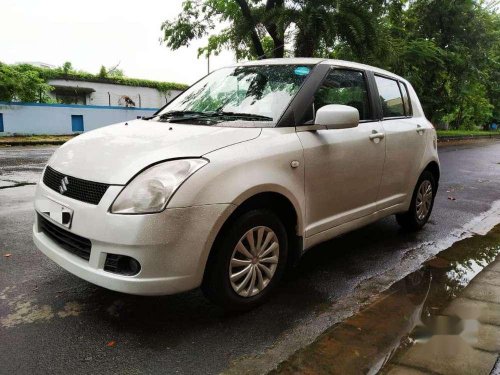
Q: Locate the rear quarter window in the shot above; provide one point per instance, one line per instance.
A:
(406, 99)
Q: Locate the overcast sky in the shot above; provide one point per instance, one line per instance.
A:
(92, 33)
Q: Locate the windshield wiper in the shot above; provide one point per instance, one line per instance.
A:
(181, 114)
(246, 116)
(168, 115)
(178, 116)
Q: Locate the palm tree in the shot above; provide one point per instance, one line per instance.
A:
(320, 24)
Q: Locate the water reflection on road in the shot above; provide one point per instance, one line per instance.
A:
(410, 313)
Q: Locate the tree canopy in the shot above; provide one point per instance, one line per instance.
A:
(448, 49)
(20, 84)
(259, 29)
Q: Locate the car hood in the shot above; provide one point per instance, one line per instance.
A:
(115, 153)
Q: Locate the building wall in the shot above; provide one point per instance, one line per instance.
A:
(106, 92)
(36, 118)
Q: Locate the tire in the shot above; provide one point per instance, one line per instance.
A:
(414, 219)
(228, 259)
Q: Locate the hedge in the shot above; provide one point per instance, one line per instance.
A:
(58, 73)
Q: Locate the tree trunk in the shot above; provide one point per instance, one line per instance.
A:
(305, 45)
(247, 14)
(276, 31)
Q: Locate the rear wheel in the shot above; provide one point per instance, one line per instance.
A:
(421, 203)
(248, 261)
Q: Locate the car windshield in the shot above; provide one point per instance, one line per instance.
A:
(258, 94)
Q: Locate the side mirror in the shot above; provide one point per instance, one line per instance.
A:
(337, 116)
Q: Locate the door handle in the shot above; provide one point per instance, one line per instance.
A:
(376, 135)
(420, 129)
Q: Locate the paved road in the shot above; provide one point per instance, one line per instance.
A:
(51, 321)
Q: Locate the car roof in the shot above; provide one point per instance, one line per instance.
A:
(315, 61)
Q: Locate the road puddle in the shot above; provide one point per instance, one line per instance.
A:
(444, 318)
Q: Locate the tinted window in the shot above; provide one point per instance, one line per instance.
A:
(406, 99)
(347, 87)
(390, 97)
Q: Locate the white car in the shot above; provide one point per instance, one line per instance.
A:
(236, 178)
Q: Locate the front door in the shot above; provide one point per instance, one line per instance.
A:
(343, 167)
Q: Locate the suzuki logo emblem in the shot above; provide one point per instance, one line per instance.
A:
(63, 188)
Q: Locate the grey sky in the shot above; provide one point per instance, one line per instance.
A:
(92, 33)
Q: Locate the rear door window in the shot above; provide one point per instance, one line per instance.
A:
(390, 97)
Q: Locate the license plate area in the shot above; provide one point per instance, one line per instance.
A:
(56, 212)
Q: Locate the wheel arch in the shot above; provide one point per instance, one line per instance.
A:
(433, 167)
(279, 204)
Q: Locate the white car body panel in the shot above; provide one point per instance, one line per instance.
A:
(114, 154)
(335, 195)
(336, 180)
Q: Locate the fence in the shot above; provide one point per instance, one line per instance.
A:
(38, 118)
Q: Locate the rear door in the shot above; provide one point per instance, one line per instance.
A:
(343, 167)
(405, 142)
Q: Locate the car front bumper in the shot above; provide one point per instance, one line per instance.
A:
(172, 246)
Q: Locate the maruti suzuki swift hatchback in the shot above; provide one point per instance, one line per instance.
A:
(236, 178)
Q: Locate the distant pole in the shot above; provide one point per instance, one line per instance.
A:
(208, 64)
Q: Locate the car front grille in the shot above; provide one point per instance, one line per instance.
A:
(70, 242)
(76, 188)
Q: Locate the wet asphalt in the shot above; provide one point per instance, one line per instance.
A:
(53, 322)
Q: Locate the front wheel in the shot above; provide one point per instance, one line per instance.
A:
(248, 261)
(421, 203)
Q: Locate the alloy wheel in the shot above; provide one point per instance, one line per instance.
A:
(254, 261)
(424, 199)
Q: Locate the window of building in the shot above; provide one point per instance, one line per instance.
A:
(347, 87)
(64, 98)
(390, 97)
(72, 94)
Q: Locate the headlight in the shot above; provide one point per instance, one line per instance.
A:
(151, 190)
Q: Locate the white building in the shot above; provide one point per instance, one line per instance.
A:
(109, 94)
(84, 105)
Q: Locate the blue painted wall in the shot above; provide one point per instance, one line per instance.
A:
(38, 118)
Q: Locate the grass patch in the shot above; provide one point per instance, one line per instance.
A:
(35, 139)
(465, 133)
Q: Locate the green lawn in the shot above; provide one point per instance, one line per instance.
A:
(36, 139)
(464, 133)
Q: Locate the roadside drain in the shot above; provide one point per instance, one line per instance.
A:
(444, 318)
(7, 184)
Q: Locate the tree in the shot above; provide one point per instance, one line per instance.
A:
(464, 34)
(448, 50)
(115, 72)
(103, 73)
(22, 83)
(67, 67)
(261, 29)
(112, 72)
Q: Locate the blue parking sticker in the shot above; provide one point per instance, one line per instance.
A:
(302, 70)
